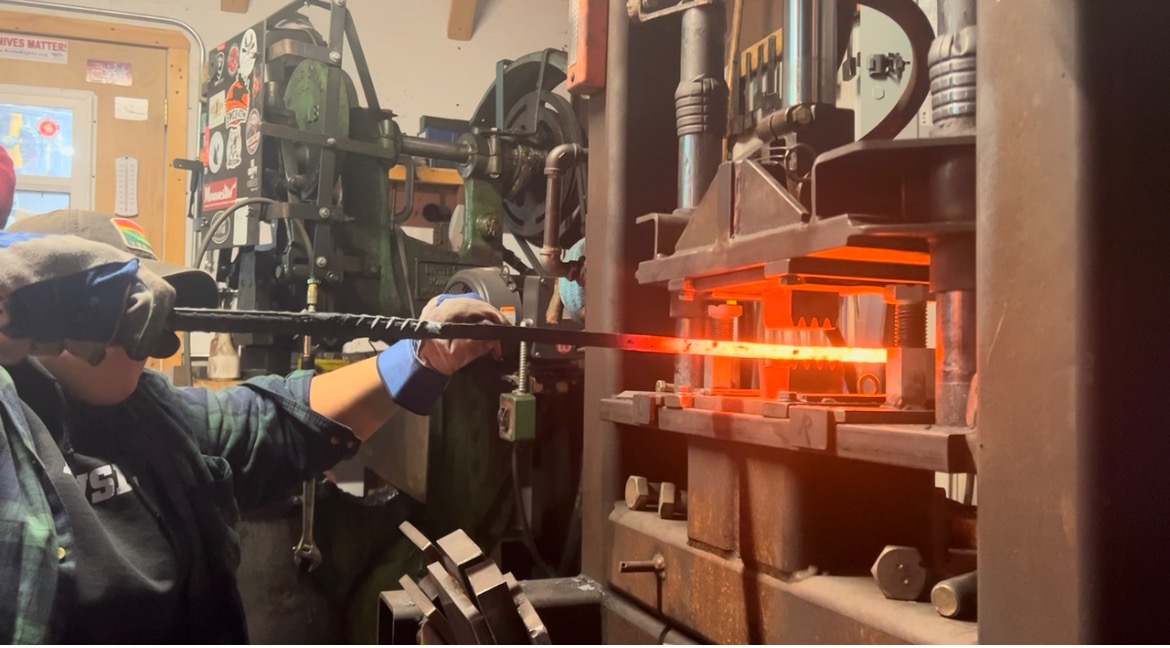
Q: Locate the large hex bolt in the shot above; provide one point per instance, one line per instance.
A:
(901, 573)
(672, 501)
(641, 493)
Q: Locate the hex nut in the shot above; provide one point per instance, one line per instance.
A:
(905, 294)
(724, 311)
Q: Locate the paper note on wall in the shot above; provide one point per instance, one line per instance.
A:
(126, 191)
(131, 108)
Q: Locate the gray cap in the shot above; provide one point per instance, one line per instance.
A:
(193, 288)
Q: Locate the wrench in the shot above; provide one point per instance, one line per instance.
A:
(305, 549)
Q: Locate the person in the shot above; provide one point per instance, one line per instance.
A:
(119, 492)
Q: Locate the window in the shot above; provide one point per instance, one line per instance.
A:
(49, 134)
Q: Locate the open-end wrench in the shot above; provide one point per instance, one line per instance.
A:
(306, 549)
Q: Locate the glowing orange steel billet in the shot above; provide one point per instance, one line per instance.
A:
(751, 350)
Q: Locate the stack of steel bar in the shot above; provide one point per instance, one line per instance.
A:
(466, 599)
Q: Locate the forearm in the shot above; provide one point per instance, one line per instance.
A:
(354, 396)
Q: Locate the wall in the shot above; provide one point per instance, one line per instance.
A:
(416, 69)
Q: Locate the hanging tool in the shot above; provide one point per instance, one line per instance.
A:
(390, 329)
(306, 549)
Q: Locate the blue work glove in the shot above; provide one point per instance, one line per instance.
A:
(415, 372)
(66, 293)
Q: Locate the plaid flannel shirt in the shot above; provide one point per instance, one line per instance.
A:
(260, 436)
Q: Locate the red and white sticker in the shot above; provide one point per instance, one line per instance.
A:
(220, 193)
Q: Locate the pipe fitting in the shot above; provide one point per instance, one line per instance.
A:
(559, 161)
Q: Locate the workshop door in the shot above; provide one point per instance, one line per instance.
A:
(47, 82)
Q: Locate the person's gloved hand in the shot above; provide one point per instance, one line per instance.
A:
(449, 356)
(66, 293)
(415, 372)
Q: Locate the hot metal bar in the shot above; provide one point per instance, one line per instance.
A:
(390, 329)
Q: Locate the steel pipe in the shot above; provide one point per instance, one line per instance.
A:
(560, 161)
(452, 151)
(809, 61)
(700, 114)
(955, 357)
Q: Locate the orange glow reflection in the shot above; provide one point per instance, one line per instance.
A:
(752, 350)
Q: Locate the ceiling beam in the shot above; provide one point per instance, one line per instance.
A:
(461, 20)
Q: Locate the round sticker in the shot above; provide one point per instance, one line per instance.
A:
(252, 132)
(47, 127)
(215, 152)
(217, 64)
(248, 53)
(220, 235)
(233, 61)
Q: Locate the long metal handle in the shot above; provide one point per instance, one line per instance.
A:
(391, 329)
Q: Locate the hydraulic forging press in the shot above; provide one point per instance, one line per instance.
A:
(794, 470)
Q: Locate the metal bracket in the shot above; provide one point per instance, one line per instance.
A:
(644, 10)
(881, 66)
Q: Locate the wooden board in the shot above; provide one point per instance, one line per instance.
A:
(461, 21)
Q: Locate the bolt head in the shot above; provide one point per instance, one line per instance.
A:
(323, 212)
(637, 492)
(901, 573)
(333, 277)
(331, 141)
(802, 114)
(321, 262)
(335, 56)
(901, 294)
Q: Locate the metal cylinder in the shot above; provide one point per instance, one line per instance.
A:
(688, 369)
(952, 68)
(955, 15)
(958, 597)
(910, 325)
(700, 114)
(954, 355)
(809, 60)
(700, 102)
(452, 151)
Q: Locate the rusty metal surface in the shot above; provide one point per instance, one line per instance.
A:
(724, 602)
(714, 496)
(790, 510)
(927, 447)
(904, 438)
(1074, 492)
